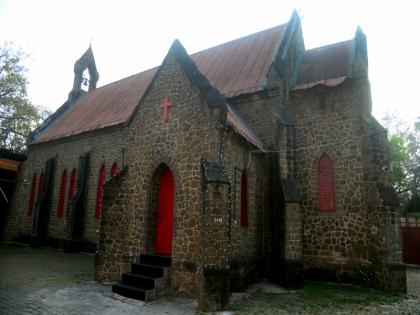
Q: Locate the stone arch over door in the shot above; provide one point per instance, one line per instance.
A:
(161, 211)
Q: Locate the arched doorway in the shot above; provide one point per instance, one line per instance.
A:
(164, 213)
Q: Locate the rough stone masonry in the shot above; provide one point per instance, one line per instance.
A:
(278, 167)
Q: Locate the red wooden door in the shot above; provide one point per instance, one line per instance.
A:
(165, 214)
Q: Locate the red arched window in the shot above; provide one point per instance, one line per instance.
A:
(32, 195)
(244, 201)
(60, 209)
(41, 184)
(72, 186)
(114, 169)
(100, 192)
(326, 184)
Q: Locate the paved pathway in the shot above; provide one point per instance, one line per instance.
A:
(46, 281)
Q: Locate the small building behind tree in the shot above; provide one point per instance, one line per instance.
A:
(9, 166)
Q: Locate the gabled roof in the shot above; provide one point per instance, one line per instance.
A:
(234, 68)
(106, 106)
(328, 65)
(239, 124)
(240, 66)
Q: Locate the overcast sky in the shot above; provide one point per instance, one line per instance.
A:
(131, 36)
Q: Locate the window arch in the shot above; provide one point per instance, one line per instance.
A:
(100, 192)
(60, 209)
(244, 200)
(72, 186)
(114, 169)
(326, 184)
(32, 195)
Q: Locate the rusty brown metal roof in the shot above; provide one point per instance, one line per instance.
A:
(234, 68)
(240, 66)
(106, 106)
(327, 65)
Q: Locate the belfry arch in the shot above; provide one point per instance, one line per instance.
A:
(86, 62)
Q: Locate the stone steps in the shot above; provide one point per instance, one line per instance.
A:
(148, 279)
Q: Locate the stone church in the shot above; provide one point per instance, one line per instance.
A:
(252, 159)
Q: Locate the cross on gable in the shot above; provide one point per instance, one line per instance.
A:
(166, 103)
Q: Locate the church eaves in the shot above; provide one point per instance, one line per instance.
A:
(330, 65)
(327, 65)
(234, 68)
(212, 95)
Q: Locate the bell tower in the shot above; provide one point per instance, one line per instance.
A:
(85, 75)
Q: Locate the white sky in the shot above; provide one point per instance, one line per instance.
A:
(131, 36)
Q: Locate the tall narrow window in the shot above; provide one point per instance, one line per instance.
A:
(41, 184)
(60, 209)
(114, 169)
(244, 200)
(32, 195)
(72, 186)
(100, 192)
(326, 184)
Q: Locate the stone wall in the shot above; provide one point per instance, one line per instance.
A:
(193, 131)
(247, 242)
(328, 122)
(261, 111)
(240, 157)
(215, 225)
(341, 244)
(109, 265)
(293, 232)
(105, 146)
(385, 244)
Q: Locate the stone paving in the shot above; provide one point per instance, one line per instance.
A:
(48, 281)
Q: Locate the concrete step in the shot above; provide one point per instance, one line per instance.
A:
(147, 270)
(133, 292)
(144, 282)
(147, 280)
(156, 260)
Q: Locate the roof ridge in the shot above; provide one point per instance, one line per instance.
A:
(125, 78)
(121, 97)
(191, 55)
(238, 39)
(330, 45)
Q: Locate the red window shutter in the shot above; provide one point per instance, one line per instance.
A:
(326, 184)
(32, 195)
(41, 184)
(100, 191)
(60, 209)
(114, 169)
(72, 186)
(244, 201)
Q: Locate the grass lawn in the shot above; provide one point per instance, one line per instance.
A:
(316, 298)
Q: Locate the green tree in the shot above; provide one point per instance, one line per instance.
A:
(17, 115)
(398, 156)
(404, 154)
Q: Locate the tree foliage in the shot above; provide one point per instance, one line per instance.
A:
(18, 116)
(404, 154)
